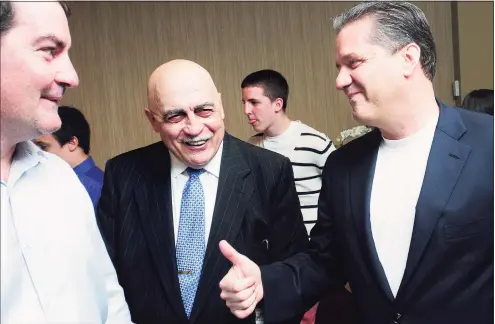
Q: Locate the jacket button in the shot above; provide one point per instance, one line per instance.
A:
(397, 318)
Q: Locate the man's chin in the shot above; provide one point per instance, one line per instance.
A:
(363, 119)
(48, 123)
(43, 130)
(199, 159)
(193, 159)
(196, 164)
(258, 128)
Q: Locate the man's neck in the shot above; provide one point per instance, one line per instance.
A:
(78, 159)
(279, 127)
(414, 113)
(6, 152)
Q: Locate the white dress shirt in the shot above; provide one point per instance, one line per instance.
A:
(209, 181)
(17, 290)
(399, 172)
(54, 264)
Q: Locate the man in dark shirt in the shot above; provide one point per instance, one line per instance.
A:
(71, 143)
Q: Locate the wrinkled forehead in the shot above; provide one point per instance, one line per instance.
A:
(184, 97)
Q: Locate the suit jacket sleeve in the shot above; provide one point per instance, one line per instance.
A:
(324, 156)
(288, 235)
(106, 210)
(292, 286)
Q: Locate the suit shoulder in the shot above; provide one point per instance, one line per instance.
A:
(256, 139)
(358, 143)
(479, 132)
(137, 154)
(355, 149)
(476, 119)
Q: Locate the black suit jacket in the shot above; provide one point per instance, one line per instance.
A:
(256, 210)
(449, 270)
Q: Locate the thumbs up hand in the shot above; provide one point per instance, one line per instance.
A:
(241, 287)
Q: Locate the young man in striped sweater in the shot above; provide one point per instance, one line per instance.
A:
(264, 96)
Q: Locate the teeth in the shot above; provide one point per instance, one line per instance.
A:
(199, 143)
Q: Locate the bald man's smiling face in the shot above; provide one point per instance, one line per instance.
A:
(190, 123)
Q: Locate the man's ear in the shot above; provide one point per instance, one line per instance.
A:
(411, 55)
(152, 119)
(220, 105)
(279, 103)
(149, 115)
(73, 144)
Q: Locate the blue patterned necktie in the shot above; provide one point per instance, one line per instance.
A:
(190, 248)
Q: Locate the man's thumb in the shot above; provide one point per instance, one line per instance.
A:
(230, 253)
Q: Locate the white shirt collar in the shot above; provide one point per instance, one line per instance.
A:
(287, 133)
(212, 167)
(26, 156)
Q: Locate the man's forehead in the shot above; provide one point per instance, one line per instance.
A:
(186, 98)
(36, 11)
(254, 91)
(43, 20)
(352, 42)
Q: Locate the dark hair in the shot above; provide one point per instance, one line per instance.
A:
(7, 14)
(396, 25)
(73, 124)
(273, 83)
(480, 100)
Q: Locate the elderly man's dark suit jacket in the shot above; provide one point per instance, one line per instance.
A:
(256, 210)
(449, 270)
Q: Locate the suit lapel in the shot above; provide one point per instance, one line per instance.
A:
(445, 163)
(154, 200)
(233, 193)
(361, 181)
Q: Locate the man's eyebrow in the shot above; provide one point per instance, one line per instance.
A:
(204, 105)
(52, 38)
(40, 143)
(344, 58)
(173, 112)
(178, 111)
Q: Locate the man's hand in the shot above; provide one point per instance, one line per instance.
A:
(241, 286)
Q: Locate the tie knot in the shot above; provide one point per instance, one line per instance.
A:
(195, 173)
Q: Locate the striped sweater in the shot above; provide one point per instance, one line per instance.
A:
(307, 149)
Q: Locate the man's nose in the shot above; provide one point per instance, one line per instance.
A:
(194, 126)
(66, 74)
(247, 108)
(343, 79)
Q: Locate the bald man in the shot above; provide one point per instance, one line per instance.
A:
(165, 207)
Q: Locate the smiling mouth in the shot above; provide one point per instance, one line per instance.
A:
(54, 100)
(196, 143)
(351, 95)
